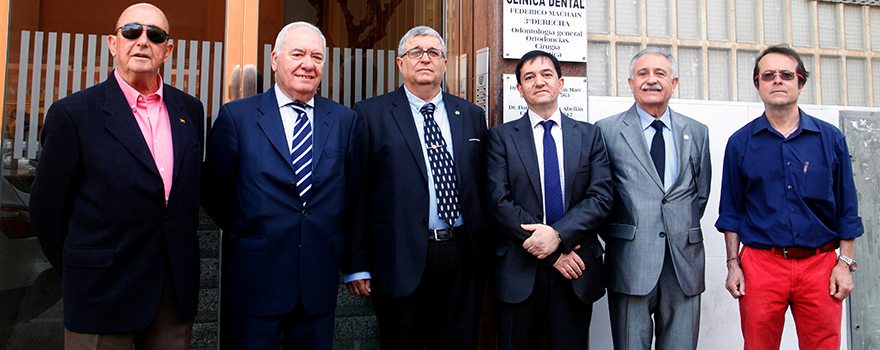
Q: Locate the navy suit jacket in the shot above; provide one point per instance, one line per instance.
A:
(98, 207)
(516, 198)
(278, 251)
(390, 232)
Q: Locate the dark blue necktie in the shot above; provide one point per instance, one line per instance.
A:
(658, 148)
(442, 168)
(301, 151)
(554, 203)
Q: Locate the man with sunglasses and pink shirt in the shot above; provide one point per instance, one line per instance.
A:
(115, 202)
(788, 195)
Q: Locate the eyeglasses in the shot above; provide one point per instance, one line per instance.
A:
(771, 76)
(133, 31)
(417, 53)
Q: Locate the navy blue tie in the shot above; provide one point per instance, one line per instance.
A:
(554, 203)
(658, 148)
(301, 152)
(442, 168)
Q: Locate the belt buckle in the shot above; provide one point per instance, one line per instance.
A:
(437, 238)
(785, 253)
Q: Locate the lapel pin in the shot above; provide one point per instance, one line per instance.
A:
(184, 121)
(686, 137)
(457, 112)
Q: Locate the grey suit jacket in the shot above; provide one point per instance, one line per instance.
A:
(514, 185)
(644, 218)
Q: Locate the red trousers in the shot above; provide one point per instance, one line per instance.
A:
(773, 283)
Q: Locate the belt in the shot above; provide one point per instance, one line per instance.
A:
(803, 253)
(444, 234)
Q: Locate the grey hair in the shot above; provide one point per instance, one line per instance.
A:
(279, 41)
(654, 51)
(417, 31)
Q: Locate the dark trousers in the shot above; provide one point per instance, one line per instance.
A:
(439, 314)
(553, 312)
(293, 330)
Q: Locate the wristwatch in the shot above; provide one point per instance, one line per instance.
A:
(849, 261)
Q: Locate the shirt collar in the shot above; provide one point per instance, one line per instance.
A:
(283, 100)
(535, 119)
(646, 119)
(416, 103)
(131, 95)
(804, 124)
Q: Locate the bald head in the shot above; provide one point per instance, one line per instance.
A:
(144, 13)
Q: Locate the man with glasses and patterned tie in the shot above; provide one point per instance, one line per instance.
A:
(654, 254)
(789, 197)
(549, 188)
(420, 210)
(278, 178)
(115, 202)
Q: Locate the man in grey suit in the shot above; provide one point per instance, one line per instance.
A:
(661, 169)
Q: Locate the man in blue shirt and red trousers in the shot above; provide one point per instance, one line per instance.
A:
(788, 195)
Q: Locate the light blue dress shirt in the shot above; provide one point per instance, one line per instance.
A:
(671, 171)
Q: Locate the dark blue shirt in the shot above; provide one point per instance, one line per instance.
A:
(782, 192)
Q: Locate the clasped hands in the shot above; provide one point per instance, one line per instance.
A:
(544, 241)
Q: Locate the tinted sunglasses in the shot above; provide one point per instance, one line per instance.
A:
(133, 31)
(771, 76)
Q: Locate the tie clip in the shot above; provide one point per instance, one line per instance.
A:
(182, 121)
(434, 146)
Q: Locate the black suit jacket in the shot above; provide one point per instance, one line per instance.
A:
(278, 251)
(98, 207)
(390, 234)
(515, 198)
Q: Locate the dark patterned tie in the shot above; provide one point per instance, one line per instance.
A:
(658, 148)
(301, 151)
(554, 203)
(441, 167)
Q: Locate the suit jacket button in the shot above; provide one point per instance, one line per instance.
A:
(662, 234)
(292, 185)
(664, 201)
(305, 213)
(160, 190)
(424, 221)
(167, 218)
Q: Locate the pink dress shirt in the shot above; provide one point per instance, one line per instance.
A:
(152, 117)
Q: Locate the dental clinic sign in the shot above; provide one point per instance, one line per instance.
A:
(556, 26)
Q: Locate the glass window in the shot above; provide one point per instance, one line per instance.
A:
(747, 21)
(854, 29)
(690, 19)
(628, 18)
(625, 53)
(720, 75)
(808, 93)
(745, 82)
(718, 13)
(856, 82)
(832, 84)
(658, 16)
(775, 22)
(875, 72)
(829, 26)
(690, 73)
(597, 16)
(599, 68)
(802, 23)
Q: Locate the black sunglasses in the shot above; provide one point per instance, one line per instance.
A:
(133, 31)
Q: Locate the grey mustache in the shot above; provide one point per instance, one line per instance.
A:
(651, 87)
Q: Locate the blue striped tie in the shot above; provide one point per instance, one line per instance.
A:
(301, 154)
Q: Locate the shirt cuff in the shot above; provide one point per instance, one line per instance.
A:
(362, 275)
(850, 227)
(727, 222)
